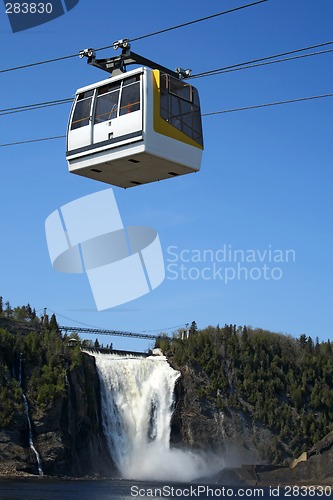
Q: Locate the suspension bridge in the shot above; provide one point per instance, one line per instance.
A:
(101, 331)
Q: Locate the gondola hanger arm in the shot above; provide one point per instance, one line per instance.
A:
(118, 64)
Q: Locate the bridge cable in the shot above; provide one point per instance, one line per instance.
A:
(95, 327)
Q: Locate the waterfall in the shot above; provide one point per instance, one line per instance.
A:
(20, 371)
(26, 408)
(137, 399)
(31, 443)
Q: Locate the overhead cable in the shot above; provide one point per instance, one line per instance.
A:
(30, 107)
(239, 68)
(56, 59)
(267, 58)
(38, 63)
(235, 9)
(257, 106)
(33, 140)
(227, 69)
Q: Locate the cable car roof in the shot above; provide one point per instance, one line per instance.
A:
(111, 78)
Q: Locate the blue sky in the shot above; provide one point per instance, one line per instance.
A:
(265, 181)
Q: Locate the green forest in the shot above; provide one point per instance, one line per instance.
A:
(33, 351)
(281, 382)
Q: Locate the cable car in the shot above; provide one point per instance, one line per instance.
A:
(135, 127)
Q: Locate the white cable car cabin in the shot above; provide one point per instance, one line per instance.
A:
(134, 128)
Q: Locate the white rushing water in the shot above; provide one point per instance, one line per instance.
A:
(26, 409)
(31, 443)
(137, 397)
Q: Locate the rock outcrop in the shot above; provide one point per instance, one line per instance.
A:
(68, 435)
(198, 424)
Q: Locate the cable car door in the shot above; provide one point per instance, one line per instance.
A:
(80, 133)
(118, 112)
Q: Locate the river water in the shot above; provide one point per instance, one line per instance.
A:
(49, 489)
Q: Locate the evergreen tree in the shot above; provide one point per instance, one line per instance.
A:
(8, 310)
(193, 328)
(54, 324)
(302, 340)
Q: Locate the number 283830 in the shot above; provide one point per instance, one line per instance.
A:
(28, 8)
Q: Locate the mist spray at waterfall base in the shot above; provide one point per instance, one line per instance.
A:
(137, 398)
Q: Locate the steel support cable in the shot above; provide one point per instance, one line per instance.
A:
(252, 63)
(227, 69)
(104, 329)
(154, 33)
(31, 107)
(222, 71)
(277, 103)
(38, 63)
(29, 141)
(257, 106)
(183, 25)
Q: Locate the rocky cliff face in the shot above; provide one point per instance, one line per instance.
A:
(199, 424)
(68, 435)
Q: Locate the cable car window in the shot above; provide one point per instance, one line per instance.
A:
(81, 113)
(182, 116)
(84, 95)
(130, 97)
(179, 106)
(131, 79)
(108, 88)
(106, 106)
(180, 89)
(196, 125)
